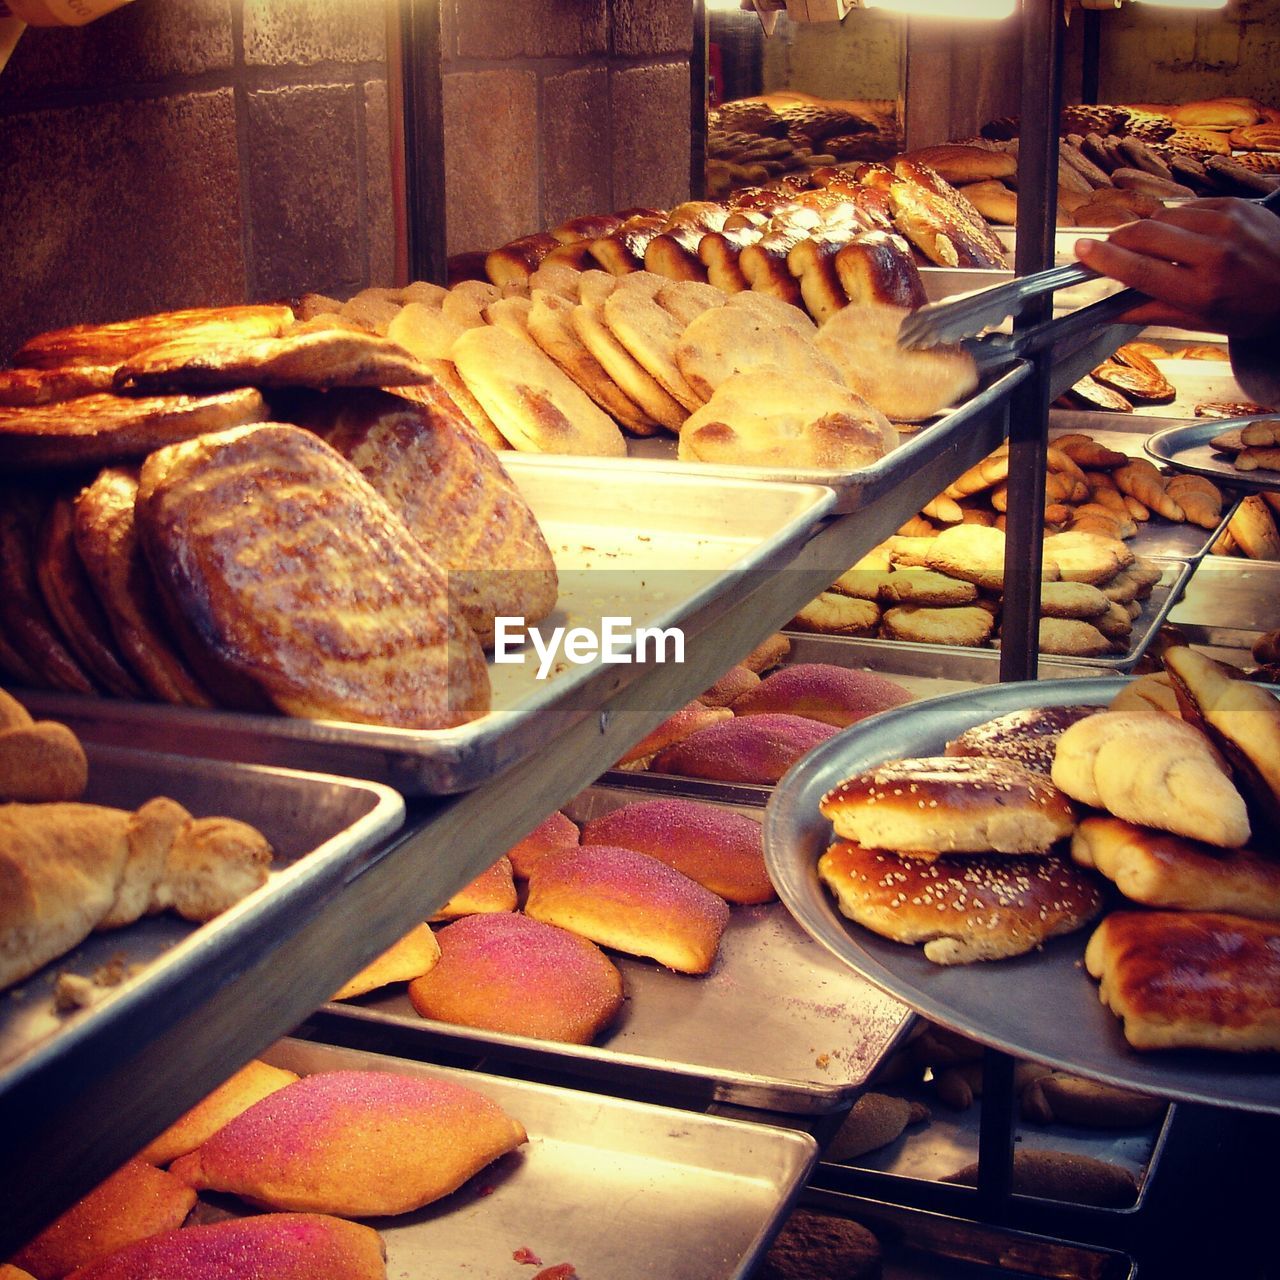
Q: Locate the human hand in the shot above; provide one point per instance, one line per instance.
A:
(1210, 264)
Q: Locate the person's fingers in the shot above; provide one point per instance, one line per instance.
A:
(1173, 241)
(1153, 275)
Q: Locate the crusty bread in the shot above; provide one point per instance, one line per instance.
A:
(649, 333)
(1189, 979)
(952, 805)
(519, 976)
(939, 221)
(959, 163)
(549, 837)
(631, 902)
(344, 615)
(493, 890)
(752, 749)
(1028, 738)
(962, 909)
(822, 691)
(719, 848)
(23, 387)
(355, 1143)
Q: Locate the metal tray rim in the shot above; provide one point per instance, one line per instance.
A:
(1166, 445)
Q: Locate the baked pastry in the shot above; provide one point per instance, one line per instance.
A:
(1189, 979)
(950, 804)
(719, 848)
(1074, 637)
(1063, 1176)
(409, 957)
(39, 760)
(494, 889)
(344, 615)
(970, 552)
(1060, 1098)
(769, 653)
(817, 1246)
(751, 749)
(136, 1201)
(1150, 769)
(551, 836)
(1028, 738)
(631, 902)
(968, 625)
(355, 1143)
(650, 334)
(731, 686)
(908, 584)
(1079, 600)
(821, 691)
(964, 909)
(270, 1246)
(518, 976)
(939, 221)
(1162, 870)
(1150, 692)
(676, 727)
(832, 613)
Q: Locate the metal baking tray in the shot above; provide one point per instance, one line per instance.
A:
(1040, 1006)
(1195, 382)
(777, 1025)
(660, 549)
(1229, 602)
(853, 489)
(616, 1188)
(1187, 447)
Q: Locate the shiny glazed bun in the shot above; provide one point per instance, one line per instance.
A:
(1028, 738)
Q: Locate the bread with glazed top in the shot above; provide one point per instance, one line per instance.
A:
(1029, 738)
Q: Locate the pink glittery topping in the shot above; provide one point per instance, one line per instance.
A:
(755, 749)
(839, 694)
(550, 836)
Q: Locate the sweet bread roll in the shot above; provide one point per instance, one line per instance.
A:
(815, 1246)
(271, 1246)
(39, 761)
(1150, 769)
(631, 902)
(833, 613)
(550, 837)
(407, 958)
(719, 848)
(1073, 637)
(515, 261)
(751, 749)
(650, 333)
(958, 163)
(1028, 738)
(1189, 979)
(1254, 528)
(769, 653)
(731, 686)
(1152, 692)
(950, 805)
(908, 585)
(1063, 1176)
(681, 724)
(136, 1201)
(996, 202)
(1161, 870)
(355, 1143)
(518, 976)
(494, 889)
(821, 691)
(979, 907)
(971, 552)
(968, 625)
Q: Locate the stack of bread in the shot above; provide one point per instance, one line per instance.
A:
(1253, 447)
(310, 1152)
(122, 548)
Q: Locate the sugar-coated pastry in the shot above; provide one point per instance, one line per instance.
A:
(692, 717)
(250, 1084)
(719, 848)
(354, 1143)
(136, 1201)
(271, 1246)
(817, 1246)
(822, 691)
(768, 653)
(551, 836)
(1028, 738)
(951, 805)
(631, 902)
(407, 958)
(753, 749)
(494, 889)
(516, 975)
(732, 685)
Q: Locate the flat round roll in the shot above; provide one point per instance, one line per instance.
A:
(752, 749)
(821, 691)
(355, 1143)
(271, 1246)
(551, 836)
(719, 848)
(942, 804)
(631, 902)
(962, 909)
(1028, 738)
(407, 958)
(494, 889)
(521, 977)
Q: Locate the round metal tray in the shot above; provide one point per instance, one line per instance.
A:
(1188, 448)
(1041, 1006)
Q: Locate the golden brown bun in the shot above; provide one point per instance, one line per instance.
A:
(238, 1093)
(270, 1246)
(494, 889)
(631, 902)
(958, 163)
(39, 761)
(355, 1143)
(408, 958)
(939, 221)
(1148, 768)
(136, 1201)
(962, 909)
(516, 261)
(1216, 113)
(753, 749)
(549, 837)
(1254, 529)
(877, 267)
(518, 976)
(821, 691)
(950, 805)
(1028, 738)
(833, 613)
(1058, 1175)
(993, 200)
(1152, 692)
(768, 654)
(1162, 870)
(720, 849)
(681, 724)
(1189, 979)
(376, 642)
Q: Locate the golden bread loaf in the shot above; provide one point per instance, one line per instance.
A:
(326, 604)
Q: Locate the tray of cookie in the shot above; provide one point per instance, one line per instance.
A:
(715, 1003)
(1018, 907)
(329, 1161)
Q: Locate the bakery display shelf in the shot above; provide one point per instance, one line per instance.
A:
(1040, 1006)
(615, 537)
(777, 1025)
(613, 1187)
(1188, 447)
(854, 490)
(1228, 603)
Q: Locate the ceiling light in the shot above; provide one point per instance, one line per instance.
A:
(946, 8)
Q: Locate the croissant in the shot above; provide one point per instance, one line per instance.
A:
(1085, 451)
(1200, 498)
(1258, 459)
(1140, 479)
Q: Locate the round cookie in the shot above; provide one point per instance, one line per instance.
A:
(968, 625)
(834, 614)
